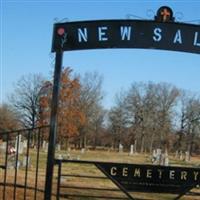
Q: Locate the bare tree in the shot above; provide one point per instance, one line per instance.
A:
(192, 122)
(141, 105)
(91, 96)
(97, 125)
(135, 109)
(146, 112)
(167, 96)
(117, 122)
(182, 120)
(25, 99)
(150, 116)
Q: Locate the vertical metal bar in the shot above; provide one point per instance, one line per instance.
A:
(52, 131)
(27, 160)
(58, 183)
(6, 163)
(114, 181)
(16, 166)
(37, 164)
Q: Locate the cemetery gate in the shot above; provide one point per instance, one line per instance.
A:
(21, 174)
(161, 33)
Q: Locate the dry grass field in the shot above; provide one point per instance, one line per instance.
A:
(82, 169)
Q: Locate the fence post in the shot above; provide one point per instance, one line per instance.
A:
(52, 132)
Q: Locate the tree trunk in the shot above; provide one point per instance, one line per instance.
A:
(189, 147)
(95, 138)
(67, 143)
(142, 144)
(84, 141)
(135, 146)
(180, 141)
(151, 143)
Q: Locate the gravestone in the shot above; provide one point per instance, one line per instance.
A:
(181, 155)
(157, 156)
(58, 147)
(83, 150)
(25, 143)
(60, 157)
(177, 154)
(20, 145)
(154, 153)
(166, 162)
(44, 144)
(154, 157)
(131, 150)
(26, 161)
(46, 147)
(120, 148)
(78, 157)
(165, 159)
(187, 156)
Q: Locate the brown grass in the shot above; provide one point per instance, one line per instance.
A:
(83, 169)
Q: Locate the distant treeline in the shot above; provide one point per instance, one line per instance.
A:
(147, 115)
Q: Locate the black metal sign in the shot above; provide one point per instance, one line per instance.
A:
(149, 178)
(126, 34)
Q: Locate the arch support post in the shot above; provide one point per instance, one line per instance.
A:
(53, 125)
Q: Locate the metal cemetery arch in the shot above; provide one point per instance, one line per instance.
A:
(163, 33)
(126, 34)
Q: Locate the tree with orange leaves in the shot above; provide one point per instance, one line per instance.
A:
(8, 118)
(69, 115)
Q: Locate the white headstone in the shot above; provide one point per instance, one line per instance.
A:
(20, 145)
(181, 155)
(187, 156)
(166, 160)
(60, 157)
(154, 156)
(131, 149)
(120, 148)
(78, 157)
(58, 147)
(25, 143)
(82, 150)
(158, 151)
(177, 154)
(44, 144)
(26, 161)
(158, 159)
(46, 147)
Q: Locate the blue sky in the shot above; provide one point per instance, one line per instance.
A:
(26, 36)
